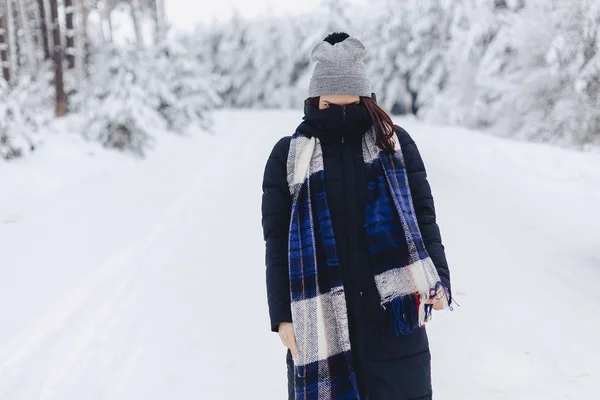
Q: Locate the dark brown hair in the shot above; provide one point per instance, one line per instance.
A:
(382, 122)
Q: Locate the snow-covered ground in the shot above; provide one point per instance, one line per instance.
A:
(127, 279)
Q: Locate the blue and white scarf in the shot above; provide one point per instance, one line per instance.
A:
(403, 272)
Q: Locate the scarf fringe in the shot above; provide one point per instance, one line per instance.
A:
(409, 312)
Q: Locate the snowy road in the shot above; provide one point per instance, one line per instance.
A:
(145, 280)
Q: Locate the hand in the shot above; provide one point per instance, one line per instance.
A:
(438, 299)
(287, 336)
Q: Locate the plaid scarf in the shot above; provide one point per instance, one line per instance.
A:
(403, 272)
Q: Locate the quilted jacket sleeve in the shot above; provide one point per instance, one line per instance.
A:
(424, 205)
(276, 211)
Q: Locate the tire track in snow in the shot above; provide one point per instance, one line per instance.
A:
(89, 307)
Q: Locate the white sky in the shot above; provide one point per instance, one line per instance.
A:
(185, 14)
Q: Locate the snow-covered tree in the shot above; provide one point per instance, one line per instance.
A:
(278, 63)
(189, 88)
(25, 110)
(139, 93)
(573, 58)
(522, 75)
(234, 63)
(387, 41)
(525, 68)
(121, 113)
(473, 29)
(425, 53)
(335, 15)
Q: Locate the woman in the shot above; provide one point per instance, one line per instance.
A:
(355, 262)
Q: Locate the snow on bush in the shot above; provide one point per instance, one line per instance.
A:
(121, 112)
(25, 110)
(188, 91)
(137, 93)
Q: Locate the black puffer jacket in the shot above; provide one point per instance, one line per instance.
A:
(388, 367)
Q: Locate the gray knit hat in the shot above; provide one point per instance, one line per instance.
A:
(339, 69)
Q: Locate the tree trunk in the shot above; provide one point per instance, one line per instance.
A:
(57, 55)
(38, 41)
(158, 14)
(110, 27)
(104, 10)
(70, 33)
(48, 21)
(162, 18)
(12, 42)
(4, 63)
(82, 60)
(134, 5)
(153, 4)
(28, 43)
(43, 27)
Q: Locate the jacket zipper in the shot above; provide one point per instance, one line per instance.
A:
(344, 115)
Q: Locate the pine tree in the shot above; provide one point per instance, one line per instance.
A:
(237, 71)
(121, 115)
(136, 94)
(388, 63)
(573, 58)
(185, 87)
(425, 53)
(24, 112)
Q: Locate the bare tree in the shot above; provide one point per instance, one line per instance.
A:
(61, 97)
(70, 33)
(4, 60)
